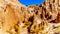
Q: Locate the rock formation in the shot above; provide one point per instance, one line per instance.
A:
(16, 18)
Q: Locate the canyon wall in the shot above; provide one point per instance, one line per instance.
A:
(16, 18)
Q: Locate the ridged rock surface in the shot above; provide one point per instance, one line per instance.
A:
(16, 18)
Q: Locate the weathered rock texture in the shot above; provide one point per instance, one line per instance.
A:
(16, 18)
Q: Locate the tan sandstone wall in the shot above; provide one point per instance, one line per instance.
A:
(16, 18)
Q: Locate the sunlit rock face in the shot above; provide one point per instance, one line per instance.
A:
(16, 18)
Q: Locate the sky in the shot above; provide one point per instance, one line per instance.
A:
(31, 2)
